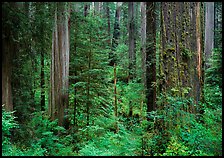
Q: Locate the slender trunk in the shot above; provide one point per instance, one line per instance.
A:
(86, 8)
(108, 24)
(42, 81)
(88, 85)
(199, 52)
(75, 93)
(42, 102)
(143, 42)
(115, 97)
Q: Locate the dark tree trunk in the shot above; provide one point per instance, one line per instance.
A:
(42, 81)
(150, 56)
(143, 42)
(9, 50)
(86, 8)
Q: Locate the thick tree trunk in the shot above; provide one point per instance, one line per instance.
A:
(151, 56)
(59, 65)
(180, 58)
(9, 50)
(132, 39)
(209, 31)
(131, 50)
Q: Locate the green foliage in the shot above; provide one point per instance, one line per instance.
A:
(177, 127)
(190, 134)
(50, 136)
(8, 123)
(186, 53)
(213, 81)
(113, 144)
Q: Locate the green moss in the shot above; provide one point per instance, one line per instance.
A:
(183, 35)
(185, 53)
(169, 12)
(170, 49)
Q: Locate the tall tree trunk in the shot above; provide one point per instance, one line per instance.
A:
(132, 48)
(218, 25)
(199, 52)
(132, 40)
(116, 35)
(108, 23)
(9, 48)
(42, 80)
(151, 56)
(88, 103)
(180, 58)
(143, 42)
(42, 49)
(209, 31)
(59, 65)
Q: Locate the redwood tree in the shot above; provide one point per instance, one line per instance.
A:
(59, 64)
(150, 56)
(209, 31)
(9, 49)
(181, 50)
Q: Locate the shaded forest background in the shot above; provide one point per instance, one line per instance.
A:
(112, 78)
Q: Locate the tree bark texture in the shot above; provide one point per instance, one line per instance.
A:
(209, 31)
(218, 24)
(59, 65)
(132, 39)
(180, 57)
(9, 49)
(150, 56)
